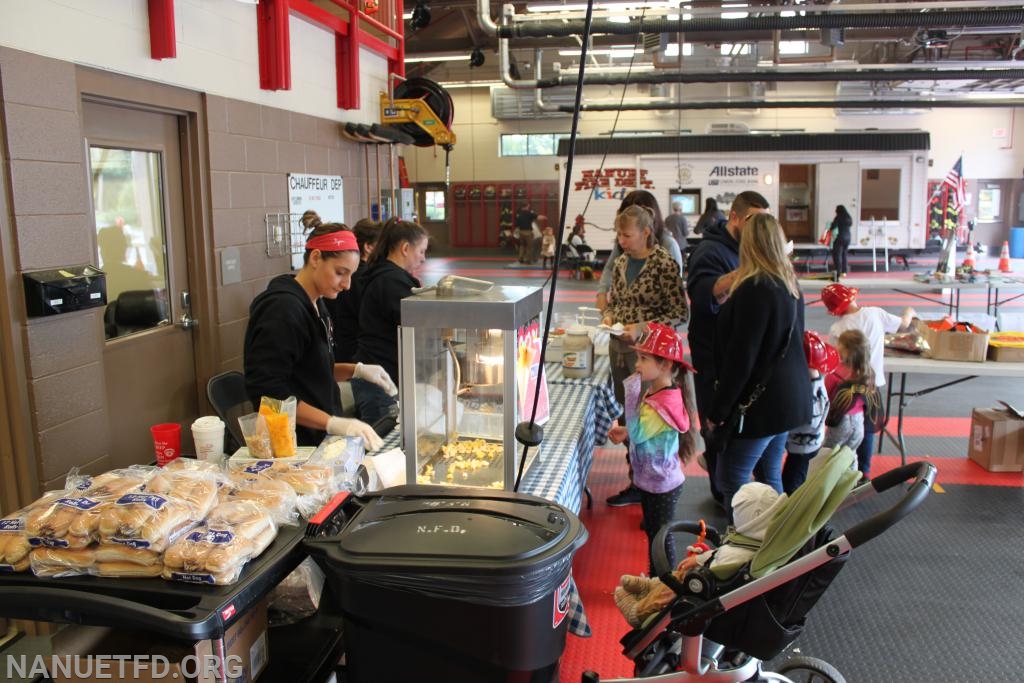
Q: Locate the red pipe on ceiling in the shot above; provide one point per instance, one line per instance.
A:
(274, 45)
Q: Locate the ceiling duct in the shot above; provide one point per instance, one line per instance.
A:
(948, 18)
(508, 104)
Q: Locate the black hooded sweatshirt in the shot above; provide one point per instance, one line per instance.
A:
(380, 313)
(288, 352)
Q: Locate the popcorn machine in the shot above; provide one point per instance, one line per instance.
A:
(468, 367)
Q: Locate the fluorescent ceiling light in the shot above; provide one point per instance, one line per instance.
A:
(605, 6)
(407, 15)
(672, 50)
(436, 58)
(450, 85)
(994, 95)
(619, 53)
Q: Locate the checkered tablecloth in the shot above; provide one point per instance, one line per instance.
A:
(606, 408)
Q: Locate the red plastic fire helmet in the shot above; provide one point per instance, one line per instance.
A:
(662, 341)
(837, 298)
(821, 356)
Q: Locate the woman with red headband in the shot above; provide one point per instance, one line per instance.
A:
(288, 341)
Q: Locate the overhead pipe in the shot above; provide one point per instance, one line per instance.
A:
(799, 104)
(927, 72)
(569, 27)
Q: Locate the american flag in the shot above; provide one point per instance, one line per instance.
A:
(955, 182)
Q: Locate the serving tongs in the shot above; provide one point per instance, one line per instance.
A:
(456, 285)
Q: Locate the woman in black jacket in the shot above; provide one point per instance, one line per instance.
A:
(840, 228)
(763, 388)
(400, 251)
(288, 340)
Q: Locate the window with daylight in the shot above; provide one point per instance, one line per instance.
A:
(433, 205)
(530, 145)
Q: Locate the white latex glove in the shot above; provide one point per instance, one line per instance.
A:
(348, 426)
(377, 375)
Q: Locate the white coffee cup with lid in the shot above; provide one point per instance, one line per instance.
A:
(208, 435)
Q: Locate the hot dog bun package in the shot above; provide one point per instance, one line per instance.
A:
(216, 552)
(280, 419)
(72, 520)
(313, 483)
(14, 545)
(276, 497)
(151, 519)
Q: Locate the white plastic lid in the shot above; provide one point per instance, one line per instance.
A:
(577, 329)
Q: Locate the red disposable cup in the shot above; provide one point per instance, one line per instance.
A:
(166, 442)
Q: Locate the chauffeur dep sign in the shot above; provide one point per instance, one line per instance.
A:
(321, 193)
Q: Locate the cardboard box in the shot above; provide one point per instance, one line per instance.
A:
(996, 441)
(186, 662)
(1006, 347)
(965, 346)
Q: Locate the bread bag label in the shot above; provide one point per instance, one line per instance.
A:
(83, 504)
(192, 577)
(258, 466)
(12, 524)
(45, 542)
(148, 499)
(217, 536)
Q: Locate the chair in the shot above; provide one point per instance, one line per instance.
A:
(226, 392)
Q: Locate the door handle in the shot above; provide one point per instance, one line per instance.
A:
(186, 321)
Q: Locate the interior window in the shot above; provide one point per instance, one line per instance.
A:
(130, 238)
(880, 194)
(433, 205)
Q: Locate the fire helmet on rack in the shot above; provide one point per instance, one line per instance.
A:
(837, 298)
(662, 341)
(821, 356)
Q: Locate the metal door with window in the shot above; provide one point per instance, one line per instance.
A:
(838, 183)
(149, 362)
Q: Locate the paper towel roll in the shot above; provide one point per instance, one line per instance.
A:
(383, 470)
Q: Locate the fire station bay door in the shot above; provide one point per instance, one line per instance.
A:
(838, 183)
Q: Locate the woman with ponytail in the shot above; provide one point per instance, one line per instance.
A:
(400, 252)
(289, 342)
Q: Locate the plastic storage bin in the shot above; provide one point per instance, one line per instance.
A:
(450, 584)
(1016, 242)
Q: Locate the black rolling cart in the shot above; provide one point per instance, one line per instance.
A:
(185, 612)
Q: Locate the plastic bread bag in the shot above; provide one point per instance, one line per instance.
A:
(280, 417)
(72, 520)
(196, 488)
(59, 563)
(216, 552)
(111, 483)
(341, 453)
(298, 595)
(911, 342)
(14, 545)
(315, 485)
(121, 561)
(146, 520)
(256, 435)
(278, 498)
(188, 464)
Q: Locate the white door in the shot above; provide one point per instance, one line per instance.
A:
(838, 183)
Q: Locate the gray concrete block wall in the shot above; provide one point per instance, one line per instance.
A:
(252, 149)
(51, 226)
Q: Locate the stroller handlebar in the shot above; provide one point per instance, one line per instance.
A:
(923, 474)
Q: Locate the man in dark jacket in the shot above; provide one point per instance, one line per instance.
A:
(708, 279)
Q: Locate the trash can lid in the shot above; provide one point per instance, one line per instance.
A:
(431, 528)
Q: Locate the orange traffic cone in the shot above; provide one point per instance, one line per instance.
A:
(1004, 258)
(969, 259)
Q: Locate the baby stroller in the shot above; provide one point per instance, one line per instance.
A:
(723, 631)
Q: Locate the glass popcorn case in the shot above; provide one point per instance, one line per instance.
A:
(469, 364)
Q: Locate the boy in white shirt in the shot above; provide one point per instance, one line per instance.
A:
(875, 323)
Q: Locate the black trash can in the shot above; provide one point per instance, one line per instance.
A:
(454, 585)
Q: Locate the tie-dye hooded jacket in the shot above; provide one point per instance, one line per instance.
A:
(654, 423)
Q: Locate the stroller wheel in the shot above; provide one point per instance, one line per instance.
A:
(810, 670)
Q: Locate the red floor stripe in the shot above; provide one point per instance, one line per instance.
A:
(616, 546)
